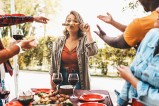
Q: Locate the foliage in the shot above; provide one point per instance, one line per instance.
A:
(33, 8)
(131, 4)
(105, 57)
(110, 56)
(35, 56)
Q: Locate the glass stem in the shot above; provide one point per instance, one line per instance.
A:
(3, 102)
(57, 87)
(73, 91)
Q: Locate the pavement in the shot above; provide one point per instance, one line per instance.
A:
(31, 79)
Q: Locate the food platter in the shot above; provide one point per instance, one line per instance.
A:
(47, 96)
(41, 97)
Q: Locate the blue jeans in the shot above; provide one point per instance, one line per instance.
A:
(65, 79)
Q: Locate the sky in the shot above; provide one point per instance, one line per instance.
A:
(89, 9)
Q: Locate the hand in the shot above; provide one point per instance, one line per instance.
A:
(53, 85)
(107, 19)
(85, 27)
(13, 43)
(41, 19)
(28, 44)
(125, 72)
(100, 33)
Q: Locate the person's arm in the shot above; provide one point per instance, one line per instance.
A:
(147, 93)
(7, 53)
(54, 59)
(109, 19)
(118, 25)
(117, 42)
(92, 48)
(53, 85)
(7, 20)
(86, 28)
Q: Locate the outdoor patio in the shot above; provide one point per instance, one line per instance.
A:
(31, 79)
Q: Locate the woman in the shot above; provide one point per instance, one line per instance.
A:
(142, 78)
(71, 51)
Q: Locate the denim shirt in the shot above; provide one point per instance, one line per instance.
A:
(145, 67)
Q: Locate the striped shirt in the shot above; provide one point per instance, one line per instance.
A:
(13, 19)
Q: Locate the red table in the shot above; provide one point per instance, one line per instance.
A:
(107, 100)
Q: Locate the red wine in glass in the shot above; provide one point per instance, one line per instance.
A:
(18, 37)
(4, 94)
(57, 79)
(18, 34)
(73, 79)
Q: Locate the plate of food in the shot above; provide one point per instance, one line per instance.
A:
(43, 98)
(92, 97)
(38, 90)
(92, 104)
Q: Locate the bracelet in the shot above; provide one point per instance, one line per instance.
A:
(20, 48)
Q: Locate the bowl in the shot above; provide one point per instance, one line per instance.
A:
(66, 89)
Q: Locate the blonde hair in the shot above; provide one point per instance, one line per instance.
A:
(79, 20)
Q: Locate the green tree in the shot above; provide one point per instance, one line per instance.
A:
(34, 57)
(110, 56)
(131, 4)
(30, 8)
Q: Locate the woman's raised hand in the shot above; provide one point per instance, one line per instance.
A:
(85, 27)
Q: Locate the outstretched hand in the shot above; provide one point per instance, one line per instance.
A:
(106, 18)
(100, 33)
(41, 19)
(28, 44)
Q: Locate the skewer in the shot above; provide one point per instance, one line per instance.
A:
(65, 24)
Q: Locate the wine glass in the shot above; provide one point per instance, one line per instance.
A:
(4, 94)
(25, 97)
(57, 79)
(18, 34)
(73, 79)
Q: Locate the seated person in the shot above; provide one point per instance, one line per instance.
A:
(142, 78)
